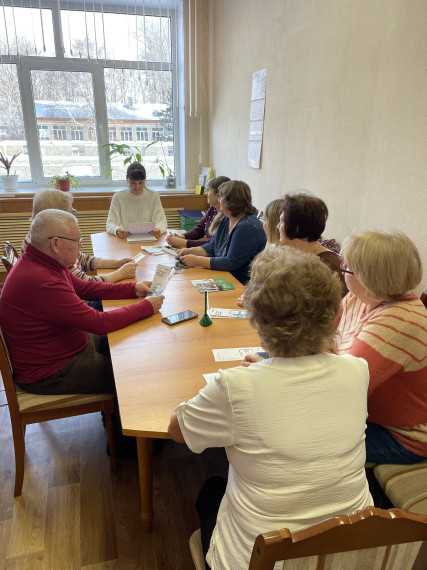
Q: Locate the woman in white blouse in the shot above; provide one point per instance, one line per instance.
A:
(293, 425)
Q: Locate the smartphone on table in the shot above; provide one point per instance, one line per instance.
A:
(179, 318)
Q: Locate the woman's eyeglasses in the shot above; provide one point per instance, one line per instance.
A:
(343, 268)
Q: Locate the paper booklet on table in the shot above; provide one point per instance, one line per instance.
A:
(140, 231)
(161, 279)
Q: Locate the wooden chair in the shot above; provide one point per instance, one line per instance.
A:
(25, 409)
(370, 539)
(10, 256)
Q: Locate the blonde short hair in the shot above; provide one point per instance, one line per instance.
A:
(292, 300)
(51, 198)
(387, 264)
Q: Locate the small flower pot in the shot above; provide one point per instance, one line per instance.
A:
(10, 182)
(64, 184)
(170, 181)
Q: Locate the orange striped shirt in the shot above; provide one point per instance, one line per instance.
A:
(392, 338)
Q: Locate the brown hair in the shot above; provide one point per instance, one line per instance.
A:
(215, 183)
(271, 217)
(292, 300)
(136, 171)
(238, 197)
(304, 216)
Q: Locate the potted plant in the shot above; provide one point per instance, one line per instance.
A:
(64, 181)
(10, 181)
(128, 152)
(166, 170)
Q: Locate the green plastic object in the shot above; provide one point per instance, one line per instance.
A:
(206, 321)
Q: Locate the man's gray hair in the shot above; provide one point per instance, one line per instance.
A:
(50, 223)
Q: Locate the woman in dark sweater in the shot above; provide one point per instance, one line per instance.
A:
(206, 228)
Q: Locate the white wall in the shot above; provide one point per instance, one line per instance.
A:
(346, 106)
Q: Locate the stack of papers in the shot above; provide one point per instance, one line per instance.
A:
(140, 231)
(153, 249)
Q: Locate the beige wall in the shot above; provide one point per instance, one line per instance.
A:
(346, 106)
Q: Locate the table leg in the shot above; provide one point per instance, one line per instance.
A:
(145, 468)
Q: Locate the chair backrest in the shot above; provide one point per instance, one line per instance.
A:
(7, 376)
(10, 256)
(424, 297)
(371, 539)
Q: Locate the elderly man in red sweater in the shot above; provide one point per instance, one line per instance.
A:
(56, 342)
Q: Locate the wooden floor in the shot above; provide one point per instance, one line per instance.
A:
(75, 514)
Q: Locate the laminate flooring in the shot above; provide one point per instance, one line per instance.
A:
(74, 514)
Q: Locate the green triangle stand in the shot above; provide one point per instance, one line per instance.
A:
(206, 321)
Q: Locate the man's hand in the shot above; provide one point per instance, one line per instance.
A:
(120, 262)
(142, 288)
(156, 301)
(156, 232)
(241, 301)
(122, 234)
(128, 270)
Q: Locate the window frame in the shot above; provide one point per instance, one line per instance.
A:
(26, 64)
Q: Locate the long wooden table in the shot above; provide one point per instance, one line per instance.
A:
(156, 366)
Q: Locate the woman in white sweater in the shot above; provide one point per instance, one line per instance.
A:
(135, 204)
(293, 425)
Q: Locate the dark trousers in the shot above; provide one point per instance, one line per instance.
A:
(88, 372)
(207, 506)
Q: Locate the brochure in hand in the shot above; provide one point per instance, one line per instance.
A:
(161, 279)
(216, 284)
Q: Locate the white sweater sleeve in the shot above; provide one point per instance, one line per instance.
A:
(114, 222)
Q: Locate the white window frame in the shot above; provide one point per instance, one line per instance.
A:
(25, 64)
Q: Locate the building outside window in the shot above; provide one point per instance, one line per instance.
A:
(142, 133)
(43, 132)
(59, 132)
(156, 134)
(77, 133)
(126, 134)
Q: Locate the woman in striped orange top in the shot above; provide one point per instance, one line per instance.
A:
(385, 323)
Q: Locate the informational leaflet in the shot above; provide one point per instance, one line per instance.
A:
(221, 354)
(161, 279)
(217, 284)
(217, 313)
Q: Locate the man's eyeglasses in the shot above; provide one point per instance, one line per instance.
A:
(343, 269)
(79, 241)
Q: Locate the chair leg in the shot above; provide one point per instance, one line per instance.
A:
(111, 442)
(19, 444)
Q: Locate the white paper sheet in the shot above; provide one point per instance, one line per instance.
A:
(221, 354)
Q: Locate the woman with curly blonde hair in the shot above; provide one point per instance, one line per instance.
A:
(293, 425)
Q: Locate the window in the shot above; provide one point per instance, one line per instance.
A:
(59, 132)
(77, 133)
(156, 134)
(112, 134)
(43, 131)
(142, 133)
(126, 134)
(96, 89)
